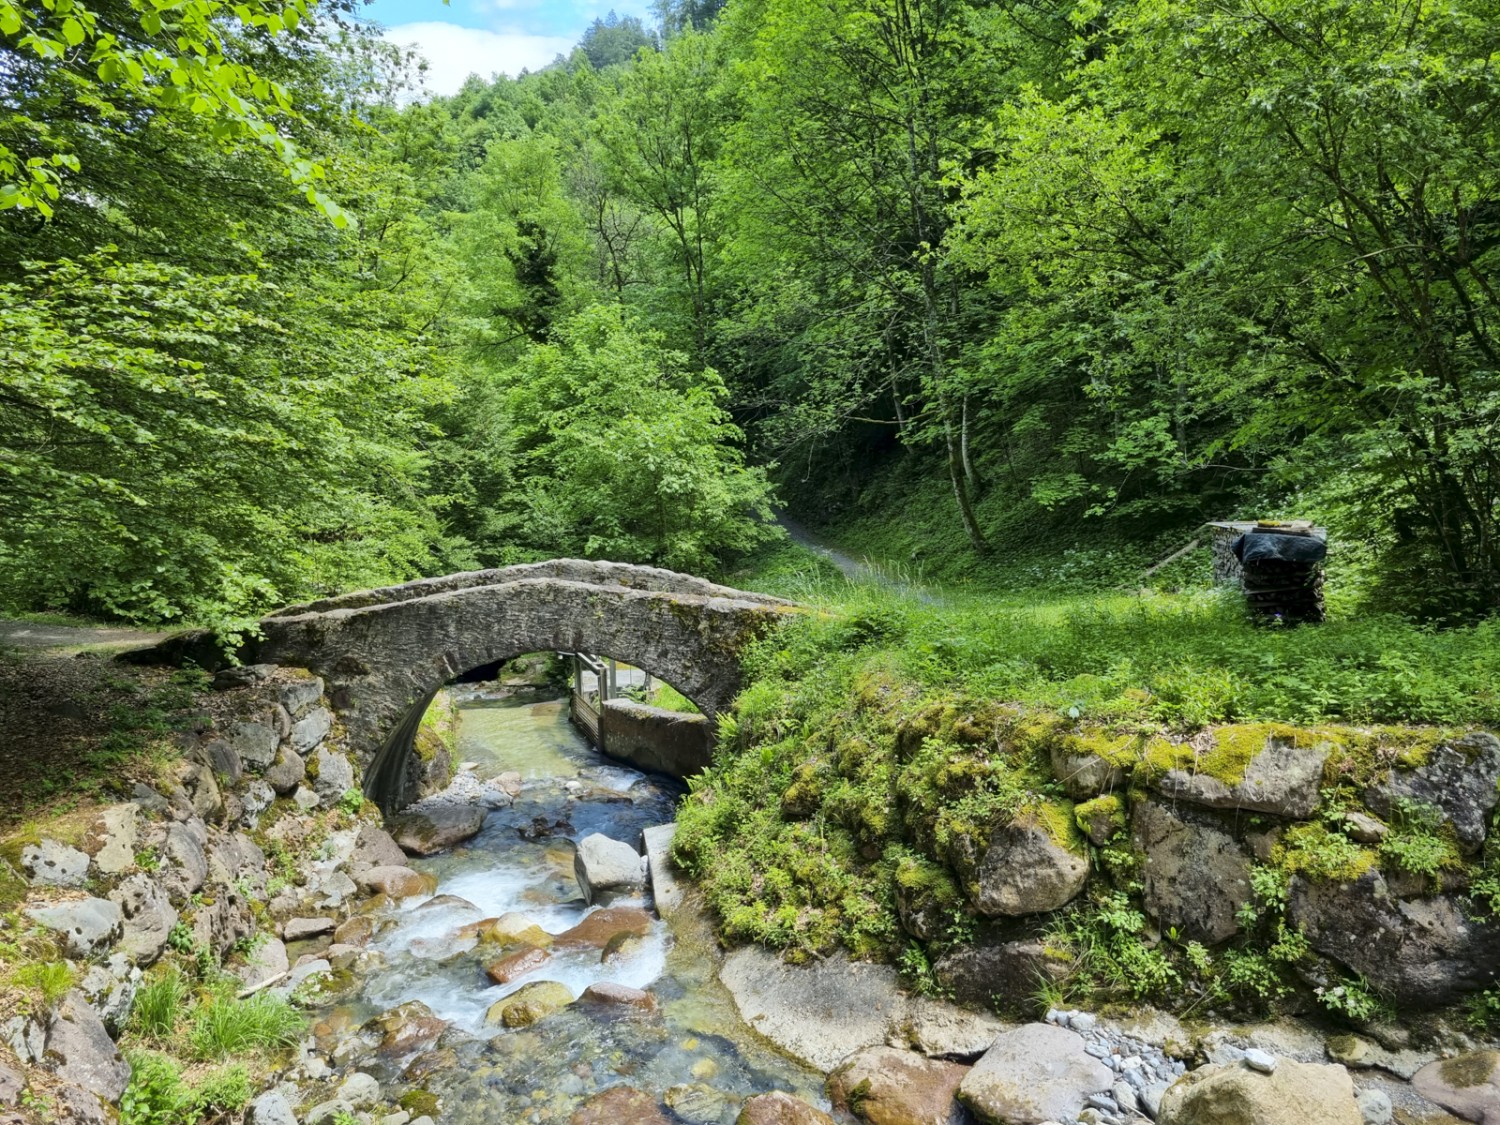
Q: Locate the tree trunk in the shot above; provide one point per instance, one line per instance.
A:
(961, 494)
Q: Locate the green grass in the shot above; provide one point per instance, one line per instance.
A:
(225, 1026)
(159, 1004)
(882, 736)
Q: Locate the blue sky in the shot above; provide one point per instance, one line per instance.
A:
(488, 36)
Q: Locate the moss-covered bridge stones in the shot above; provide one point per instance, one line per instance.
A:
(384, 653)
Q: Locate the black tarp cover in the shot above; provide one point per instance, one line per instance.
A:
(1270, 546)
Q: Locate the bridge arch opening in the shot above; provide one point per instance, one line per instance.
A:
(597, 690)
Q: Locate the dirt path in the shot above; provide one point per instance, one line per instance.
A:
(855, 570)
(29, 635)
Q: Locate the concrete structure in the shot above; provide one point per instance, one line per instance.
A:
(384, 653)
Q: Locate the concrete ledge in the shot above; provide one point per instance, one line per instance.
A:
(656, 740)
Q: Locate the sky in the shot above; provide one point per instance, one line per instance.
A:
(483, 37)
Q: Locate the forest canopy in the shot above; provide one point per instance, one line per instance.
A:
(981, 275)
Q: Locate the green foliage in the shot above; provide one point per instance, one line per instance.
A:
(159, 1094)
(223, 1026)
(156, 1012)
(1416, 842)
(50, 980)
(1353, 999)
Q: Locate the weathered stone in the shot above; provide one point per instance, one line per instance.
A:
(1034, 1074)
(1363, 828)
(1196, 877)
(429, 830)
(86, 925)
(357, 931)
(299, 695)
(618, 996)
(329, 1111)
(1375, 1107)
(335, 774)
(286, 773)
(620, 1105)
(200, 789)
(942, 1030)
(373, 847)
(780, 1108)
(73, 1105)
(224, 760)
(256, 797)
(12, 1084)
(265, 961)
(998, 971)
(696, 1103)
(1234, 1094)
(529, 1003)
(360, 1090)
(148, 918)
(299, 929)
(1085, 775)
(242, 675)
(1467, 1085)
(50, 864)
(596, 930)
(890, 1087)
(515, 965)
(1025, 871)
(407, 1028)
(605, 867)
(1419, 952)
(110, 989)
(305, 798)
(184, 861)
(819, 1013)
(219, 924)
(255, 743)
(1282, 779)
(666, 891)
(310, 731)
(112, 836)
(80, 1051)
(398, 882)
(271, 1108)
(1458, 780)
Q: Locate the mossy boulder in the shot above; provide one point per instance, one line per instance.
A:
(530, 1003)
(1101, 818)
(1467, 1085)
(1458, 779)
(1036, 864)
(1260, 767)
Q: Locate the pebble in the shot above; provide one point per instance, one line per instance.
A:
(1263, 1061)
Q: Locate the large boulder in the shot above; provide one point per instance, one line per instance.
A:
(429, 830)
(529, 1003)
(1196, 877)
(1033, 1074)
(994, 970)
(373, 847)
(886, 1086)
(288, 772)
(595, 931)
(111, 838)
(1422, 952)
(1283, 779)
(254, 743)
(1459, 780)
(1030, 869)
(606, 867)
(397, 882)
(1466, 1085)
(50, 864)
(334, 773)
(184, 859)
(1235, 1094)
(86, 926)
(309, 731)
(410, 1027)
(818, 1013)
(80, 1051)
(148, 918)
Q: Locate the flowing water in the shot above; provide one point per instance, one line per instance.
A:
(695, 1052)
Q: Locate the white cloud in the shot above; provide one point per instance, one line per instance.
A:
(456, 52)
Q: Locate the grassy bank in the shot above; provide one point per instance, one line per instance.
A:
(880, 737)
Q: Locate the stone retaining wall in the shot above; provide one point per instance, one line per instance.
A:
(656, 740)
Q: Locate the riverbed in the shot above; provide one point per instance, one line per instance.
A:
(693, 1053)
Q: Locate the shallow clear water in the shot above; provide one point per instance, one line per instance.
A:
(543, 1073)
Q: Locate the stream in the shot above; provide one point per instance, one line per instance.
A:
(694, 1053)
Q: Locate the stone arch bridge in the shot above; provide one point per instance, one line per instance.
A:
(383, 654)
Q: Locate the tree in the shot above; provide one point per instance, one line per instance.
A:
(625, 452)
(613, 41)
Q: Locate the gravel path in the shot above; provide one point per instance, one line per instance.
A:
(29, 635)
